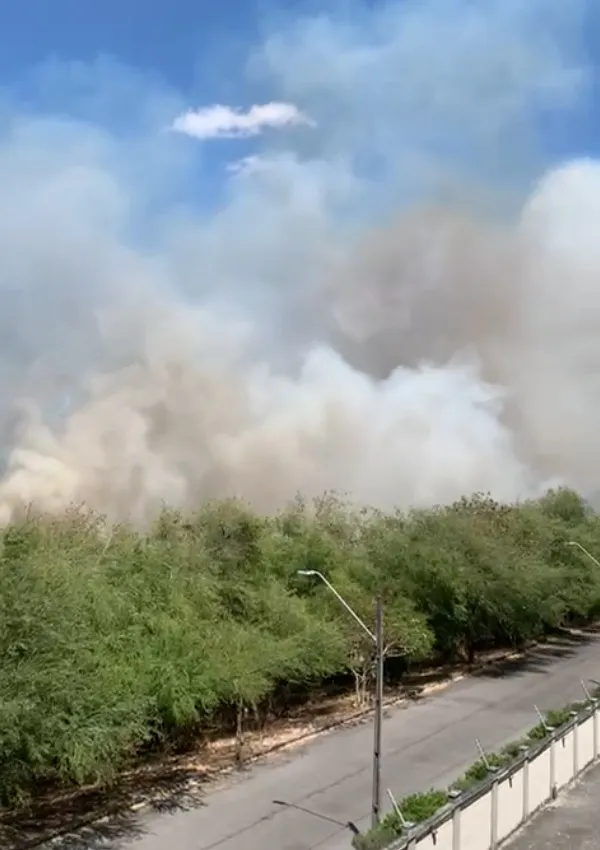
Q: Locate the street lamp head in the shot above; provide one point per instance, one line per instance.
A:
(307, 572)
(571, 543)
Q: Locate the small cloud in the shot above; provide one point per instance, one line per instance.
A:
(248, 165)
(220, 121)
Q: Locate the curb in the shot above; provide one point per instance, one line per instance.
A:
(390, 702)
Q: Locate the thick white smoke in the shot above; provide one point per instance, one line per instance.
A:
(392, 339)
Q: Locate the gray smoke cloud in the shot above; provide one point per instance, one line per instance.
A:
(400, 304)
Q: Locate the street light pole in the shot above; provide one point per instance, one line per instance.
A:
(377, 639)
(584, 550)
(376, 805)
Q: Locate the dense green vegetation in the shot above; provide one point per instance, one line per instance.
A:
(417, 808)
(114, 643)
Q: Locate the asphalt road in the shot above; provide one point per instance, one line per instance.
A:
(572, 822)
(428, 743)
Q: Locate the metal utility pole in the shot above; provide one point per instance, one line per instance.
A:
(377, 638)
(379, 657)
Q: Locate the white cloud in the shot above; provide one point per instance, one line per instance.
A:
(223, 121)
(248, 165)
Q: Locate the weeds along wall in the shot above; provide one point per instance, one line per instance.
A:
(114, 642)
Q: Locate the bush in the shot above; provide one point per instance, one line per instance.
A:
(113, 642)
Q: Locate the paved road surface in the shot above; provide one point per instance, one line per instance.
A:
(572, 822)
(426, 744)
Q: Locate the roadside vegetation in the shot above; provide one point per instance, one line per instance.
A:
(113, 644)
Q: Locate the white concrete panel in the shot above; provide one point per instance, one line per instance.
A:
(585, 742)
(510, 805)
(563, 770)
(476, 824)
(539, 780)
(440, 840)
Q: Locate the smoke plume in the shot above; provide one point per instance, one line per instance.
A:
(399, 301)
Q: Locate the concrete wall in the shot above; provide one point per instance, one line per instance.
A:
(483, 817)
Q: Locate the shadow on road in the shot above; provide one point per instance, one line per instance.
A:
(539, 658)
(110, 835)
(96, 819)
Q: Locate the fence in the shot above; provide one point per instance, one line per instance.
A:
(484, 816)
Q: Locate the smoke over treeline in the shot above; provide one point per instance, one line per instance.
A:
(400, 302)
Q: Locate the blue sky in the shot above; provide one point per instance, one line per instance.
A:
(79, 58)
(384, 103)
(160, 35)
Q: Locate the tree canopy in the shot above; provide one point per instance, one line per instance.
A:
(112, 641)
